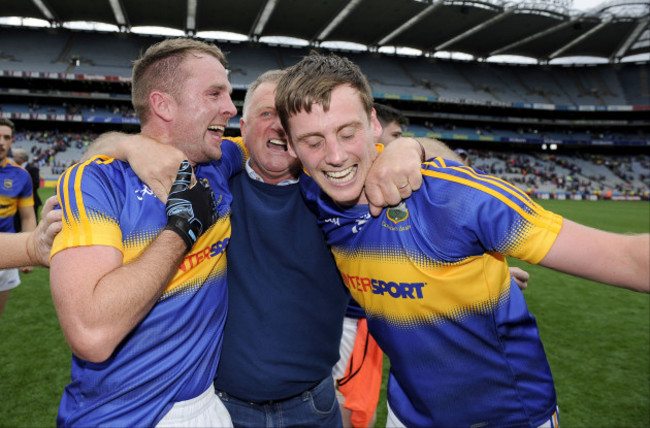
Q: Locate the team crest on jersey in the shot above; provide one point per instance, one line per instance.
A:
(8, 184)
(398, 213)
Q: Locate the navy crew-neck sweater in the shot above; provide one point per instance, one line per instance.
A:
(286, 298)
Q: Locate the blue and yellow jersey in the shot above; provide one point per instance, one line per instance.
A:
(172, 354)
(15, 192)
(432, 277)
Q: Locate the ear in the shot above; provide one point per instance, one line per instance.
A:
(163, 105)
(376, 126)
(242, 127)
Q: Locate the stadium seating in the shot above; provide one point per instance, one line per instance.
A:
(467, 88)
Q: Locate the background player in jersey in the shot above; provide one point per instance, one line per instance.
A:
(15, 199)
(431, 272)
(139, 286)
(393, 123)
(21, 157)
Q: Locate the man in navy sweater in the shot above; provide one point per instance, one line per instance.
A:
(286, 298)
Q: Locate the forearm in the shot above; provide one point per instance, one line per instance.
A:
(13, 250)
(611, 258)
(435, 148)
(154, 162)
(111, 144)
(98, 308)
(628, 269)
(28, 223)
(635, 273)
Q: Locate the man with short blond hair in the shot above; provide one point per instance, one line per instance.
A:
(139, 285)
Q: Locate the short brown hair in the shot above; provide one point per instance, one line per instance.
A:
(312, 80)
(6, 122)
(387, 114)
(158, 69)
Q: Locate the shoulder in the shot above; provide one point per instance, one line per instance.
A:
(16, 173)
(96, 164)
(311, 192)
(12, 166)
(445, 174)
(234, 146)
(97, 170)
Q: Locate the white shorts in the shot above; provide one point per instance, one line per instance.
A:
(393, 422)
(391, 419)
(345, 348)
(9, 279)
(206, 410)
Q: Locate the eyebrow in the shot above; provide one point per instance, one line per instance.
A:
(355, 123)
(222, 87)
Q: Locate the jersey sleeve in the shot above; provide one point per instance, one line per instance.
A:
(26, 196)
(233, 154)
(90, 198)
(489, 212)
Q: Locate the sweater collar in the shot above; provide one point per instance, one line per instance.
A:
(255, 176)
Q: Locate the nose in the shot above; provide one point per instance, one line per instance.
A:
(228, 109)
(277, 127)
(335, 153)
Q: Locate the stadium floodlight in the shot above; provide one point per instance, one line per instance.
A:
(337, 20)
(117, 11)
(579, 39)
(190, 24)
(634, 36)
(264, 17)
(41, 6)
(411, 22)
(475, 29)
(533, 37)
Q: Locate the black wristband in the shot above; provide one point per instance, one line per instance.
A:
(179, 226)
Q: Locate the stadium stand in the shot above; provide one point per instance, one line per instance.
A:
(63, 81)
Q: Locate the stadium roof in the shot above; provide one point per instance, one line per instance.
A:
(543, 30)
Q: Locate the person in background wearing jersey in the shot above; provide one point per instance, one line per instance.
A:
(16, 198)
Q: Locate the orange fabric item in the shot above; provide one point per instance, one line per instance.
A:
(362, 381)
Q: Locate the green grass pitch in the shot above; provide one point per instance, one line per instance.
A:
(596, 338)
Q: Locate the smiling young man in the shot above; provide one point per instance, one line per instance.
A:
(140, 286)
(431, 272)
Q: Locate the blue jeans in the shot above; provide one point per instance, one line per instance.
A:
(316, 407)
